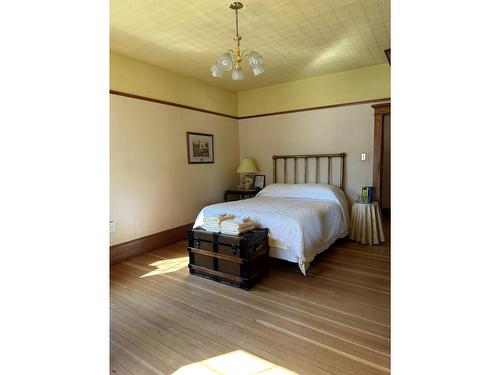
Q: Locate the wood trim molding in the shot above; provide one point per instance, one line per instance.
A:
(315, 108)
(380, 110)
(377, 155)
(388, 55)
(125, 250)
(133, 96)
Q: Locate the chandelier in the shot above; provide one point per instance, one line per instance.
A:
(232, 60)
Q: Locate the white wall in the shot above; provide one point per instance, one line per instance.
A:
(346, 129)
(153, 188)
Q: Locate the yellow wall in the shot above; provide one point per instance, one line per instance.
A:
(346, 129)
(369, 83)
(140, 78)
(153, 188)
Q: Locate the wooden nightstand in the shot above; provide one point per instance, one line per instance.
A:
(240, 193)
(366, 223)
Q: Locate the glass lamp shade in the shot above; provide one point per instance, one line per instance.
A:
(257, 69)
(225, 62)
(255, 59)
(238, 75)
(247, 165)
(217, 72)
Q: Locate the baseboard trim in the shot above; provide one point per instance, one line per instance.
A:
(125, 250)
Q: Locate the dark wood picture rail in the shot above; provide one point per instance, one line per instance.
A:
(133, 96)
(315, 108)
(125, 250)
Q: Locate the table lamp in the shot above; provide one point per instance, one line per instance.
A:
(247, 165)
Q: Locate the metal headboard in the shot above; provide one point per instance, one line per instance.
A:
(306, 158)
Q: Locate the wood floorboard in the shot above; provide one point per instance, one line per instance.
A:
(226, 332)
(352, 291)
(326, 298)
(356, 259)
(125, 362)
(362, 254)
(347, 276)
(355, 294)
(334, 321)
(270, 312)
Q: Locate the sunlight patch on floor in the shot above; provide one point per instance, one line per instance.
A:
(238, 362)
(167, 266)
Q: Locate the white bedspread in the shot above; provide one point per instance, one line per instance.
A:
(304, 226)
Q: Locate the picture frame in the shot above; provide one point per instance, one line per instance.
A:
(200, 148)
(259, 181)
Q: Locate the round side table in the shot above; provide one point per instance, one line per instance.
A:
(366, 223)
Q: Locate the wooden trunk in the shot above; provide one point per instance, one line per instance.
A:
(236, 260)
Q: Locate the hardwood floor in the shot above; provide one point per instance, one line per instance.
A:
(334, 321)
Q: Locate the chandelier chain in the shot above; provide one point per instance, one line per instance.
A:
(237, 35)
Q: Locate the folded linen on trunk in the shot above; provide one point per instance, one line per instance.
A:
(241, 219)
(211, 227)
(212, 223)
(235, 232)
(233, 225)
(217, 219)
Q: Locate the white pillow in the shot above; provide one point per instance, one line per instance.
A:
(308, 191)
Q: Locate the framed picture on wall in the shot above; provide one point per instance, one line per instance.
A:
(259, 181)
(200, 148)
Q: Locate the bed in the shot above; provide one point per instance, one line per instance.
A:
(304, 218)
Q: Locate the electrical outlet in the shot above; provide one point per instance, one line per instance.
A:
(112, 227)
(363, 156)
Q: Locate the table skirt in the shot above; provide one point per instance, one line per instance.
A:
(366, 224)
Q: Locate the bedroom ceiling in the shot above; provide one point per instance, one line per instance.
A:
(298, 39)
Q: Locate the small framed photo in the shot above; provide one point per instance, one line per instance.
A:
(259, 181)
(200, 148)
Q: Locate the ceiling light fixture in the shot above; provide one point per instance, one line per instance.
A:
(231, 60)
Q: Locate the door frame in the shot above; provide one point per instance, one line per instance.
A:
(380, 110)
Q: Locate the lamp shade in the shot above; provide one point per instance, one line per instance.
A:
(216, 71)
(257, 69)
(238, 75)
(254, 59)
(225, 62)
(247, 165)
